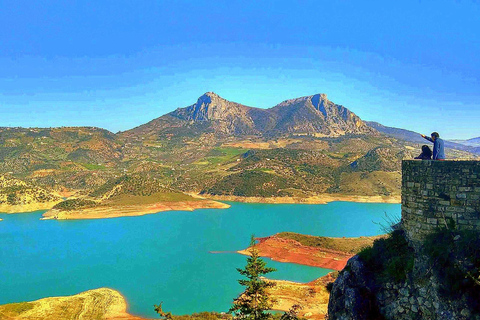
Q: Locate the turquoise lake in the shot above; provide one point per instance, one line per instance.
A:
(165, 256)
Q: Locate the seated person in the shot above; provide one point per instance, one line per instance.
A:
(426, 153)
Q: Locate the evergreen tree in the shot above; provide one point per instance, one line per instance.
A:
(254, 301)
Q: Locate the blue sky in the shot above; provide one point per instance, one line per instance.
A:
(119, 64)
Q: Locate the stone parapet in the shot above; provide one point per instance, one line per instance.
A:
(436, 193)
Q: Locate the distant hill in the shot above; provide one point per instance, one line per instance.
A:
(472, 145)
(474, 142)
(30, 149)
(299, 148)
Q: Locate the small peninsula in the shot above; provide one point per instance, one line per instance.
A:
(102, 303)
(323, 252)
(128, 196)
(115, 211)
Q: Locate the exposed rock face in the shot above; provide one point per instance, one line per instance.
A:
(225, 117)
(352, 295)
(306, 115)
(437, 196)
(317, 115)
(356, 296)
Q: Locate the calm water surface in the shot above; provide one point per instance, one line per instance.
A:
(165, 256)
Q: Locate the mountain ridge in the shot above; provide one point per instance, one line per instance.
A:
(302, 148)
(313, 114)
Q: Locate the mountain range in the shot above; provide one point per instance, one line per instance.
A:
(211, 113)
(299, 148)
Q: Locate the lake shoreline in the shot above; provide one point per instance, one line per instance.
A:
(323, 252)
(116, 211)
(211, 202)
(22, 208)
(291, 251)
(319, 199)
(313, 296)
(104, 303)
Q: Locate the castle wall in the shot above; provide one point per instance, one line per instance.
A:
(435, 192)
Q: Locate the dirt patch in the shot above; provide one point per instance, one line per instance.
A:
(311, 296)
(288, 250)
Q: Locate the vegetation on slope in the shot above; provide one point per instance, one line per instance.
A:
(455, 259)
(349, 245)
(389, 258)
(74, 204)
(252, 183)
(17, 192)
(304, 153)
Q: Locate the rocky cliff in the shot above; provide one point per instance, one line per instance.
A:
(314, 115)
(429, 266)
(420, 290)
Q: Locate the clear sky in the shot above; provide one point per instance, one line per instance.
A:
(118, 64)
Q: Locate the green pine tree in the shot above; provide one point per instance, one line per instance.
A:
(253, 303)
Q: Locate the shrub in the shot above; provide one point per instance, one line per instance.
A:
(455, 256)
(389, 258)
(74, 204)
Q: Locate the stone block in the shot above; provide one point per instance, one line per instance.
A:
(473, 196)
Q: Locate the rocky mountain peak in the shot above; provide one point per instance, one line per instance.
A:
(313, 114)
(208, 97)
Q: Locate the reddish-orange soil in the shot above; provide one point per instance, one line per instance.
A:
(288, 250)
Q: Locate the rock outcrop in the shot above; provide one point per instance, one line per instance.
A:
(356, 295)
(429, 267)
(314, 115)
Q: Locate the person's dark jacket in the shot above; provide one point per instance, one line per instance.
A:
(423, 156)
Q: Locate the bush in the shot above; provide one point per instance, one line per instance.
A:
(389, 258)
(74, 204)
(455, 256)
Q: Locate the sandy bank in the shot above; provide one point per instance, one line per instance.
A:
(312, 296)
(115, 211)
(319, 199)
(100, 303)
(21, 208)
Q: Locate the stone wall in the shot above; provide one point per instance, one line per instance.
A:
(439, 192)
(434, 193)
